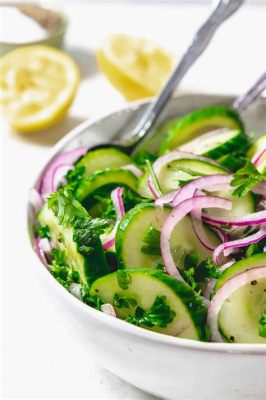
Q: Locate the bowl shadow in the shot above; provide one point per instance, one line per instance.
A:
(86, 60)
(51, 136)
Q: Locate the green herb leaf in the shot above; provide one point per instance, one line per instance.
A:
(255, 248)
(246, 178)
(43, 232)
(262, 324)
(123, 301)
(160, 314)
(75, 176)
(91, 300)
(123, 278)
(154, 177)
(151, 242)
(65, 207)
(87, 232)
(61, 271)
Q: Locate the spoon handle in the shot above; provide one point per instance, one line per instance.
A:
(223, 10)
(244, 101)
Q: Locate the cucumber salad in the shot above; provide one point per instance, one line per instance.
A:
(172, 239)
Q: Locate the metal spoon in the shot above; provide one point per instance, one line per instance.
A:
(223, 10)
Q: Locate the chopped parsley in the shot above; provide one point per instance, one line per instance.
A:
(61, 271)
(120, 301)
(159, 315)
(43, 232)
(151, 242)
(262, 324)
(246, 178)
(197, 271)
(123, 278)
(75, 176)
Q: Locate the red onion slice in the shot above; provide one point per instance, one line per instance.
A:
(38, 245)
(211, 183)
(226, 291)
(256, 159)
(59, 174)
(108, 309)
(176, 215)
(134, 169)
(199, 229)
(108, 240)
(257, 218)
(46, 185)
(260, 189)
(228, 248)
(117, 200)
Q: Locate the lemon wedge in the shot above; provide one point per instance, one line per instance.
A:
(37, 86)
(135, 66)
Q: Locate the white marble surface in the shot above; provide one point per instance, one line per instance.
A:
(42, 356)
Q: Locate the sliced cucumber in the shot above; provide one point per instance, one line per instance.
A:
(177, 171)
(100, 159)
(141, 288)
(258, 147)
(133, 227)
(241, 311)
(198, 122)
(216, 144)
(257, 260)
(105, 180)
(240, 206)
(90, 266)
(185, 170)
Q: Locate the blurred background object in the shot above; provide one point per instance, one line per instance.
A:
(30, 23)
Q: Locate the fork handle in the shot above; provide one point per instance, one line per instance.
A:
(244, 101)
(223, 10)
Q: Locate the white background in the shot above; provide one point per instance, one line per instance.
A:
(43, 357)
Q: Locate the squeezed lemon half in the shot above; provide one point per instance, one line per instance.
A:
(135, 66)
(37, 86)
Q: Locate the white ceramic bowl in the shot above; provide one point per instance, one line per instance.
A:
(165, 366)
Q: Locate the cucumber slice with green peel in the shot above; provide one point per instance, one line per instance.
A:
(259, 149)
(90, 266)
(101, 159)
(217, 143)
(107, 179)
(237, 309)
(257, 260)
(235, 160)
(185, 170)
(131, 242)
(240, 205)
(198, 122)
(142, 186)
(176, 171)
(155, 301)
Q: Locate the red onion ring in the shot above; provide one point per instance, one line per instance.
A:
(211, 183)
(108, 309)
(257, 218)
(227, 248)
(117, 200)
(58, 174)
(46, 184)
(108, 240)
(39, 250)
(176, 215)
(134, 169)
(258, 156)
(224, 292)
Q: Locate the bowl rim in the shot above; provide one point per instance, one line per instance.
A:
(115, 323)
